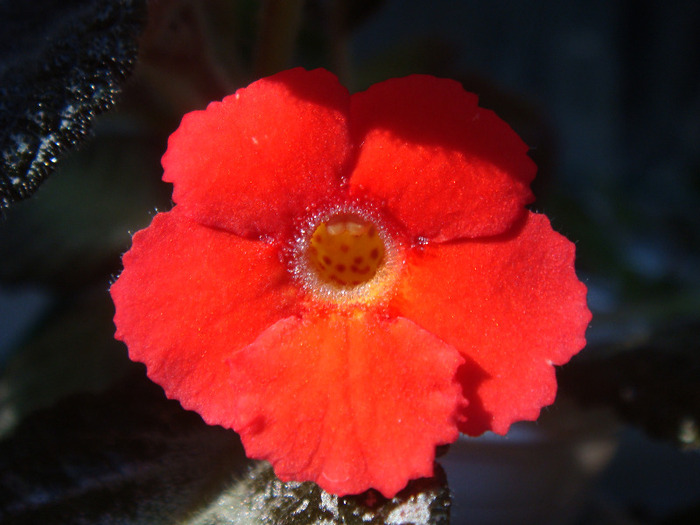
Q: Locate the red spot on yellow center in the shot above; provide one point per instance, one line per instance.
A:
(346, 251)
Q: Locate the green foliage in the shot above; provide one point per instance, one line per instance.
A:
(72, 234)
(124, 456)
(130, 456)
(652, 384)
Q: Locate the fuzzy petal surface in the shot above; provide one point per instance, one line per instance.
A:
(445, 167)
(250, 163)
(512, 305)
(188, 298)
(351, 402)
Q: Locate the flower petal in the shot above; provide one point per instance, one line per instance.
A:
(350, 402)
(513, 305)
(250, 163)
(190, 296)
(445, 167)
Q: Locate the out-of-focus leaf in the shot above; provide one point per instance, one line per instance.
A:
(262, 499)
(61, 63)
(73, 232)
(127, 456)
(72, 351)
(130, 456)
(653, 384)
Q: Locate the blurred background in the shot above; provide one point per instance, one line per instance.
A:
(607, 94)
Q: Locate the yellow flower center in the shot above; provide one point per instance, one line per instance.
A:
(347, 257)
(346, 251)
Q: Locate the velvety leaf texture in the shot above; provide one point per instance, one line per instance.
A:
(262, 499)
(61, 63)
(80, 224)
(131, 456)
(127, 456)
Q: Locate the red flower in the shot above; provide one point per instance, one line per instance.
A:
(348, 281)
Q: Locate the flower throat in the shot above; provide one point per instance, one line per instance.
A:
(346, 250)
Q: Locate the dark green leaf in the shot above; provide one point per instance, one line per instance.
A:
(262, 499)
(61, 63)
(653, 384)
(127, 456)
(130, 456)
(73, 350)
(73, 232)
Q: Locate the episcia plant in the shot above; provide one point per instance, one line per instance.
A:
(349, 281)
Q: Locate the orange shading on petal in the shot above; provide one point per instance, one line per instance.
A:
(350, 402)
(446, 168)
(191, 296)
(512, 305)
(250, 163)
